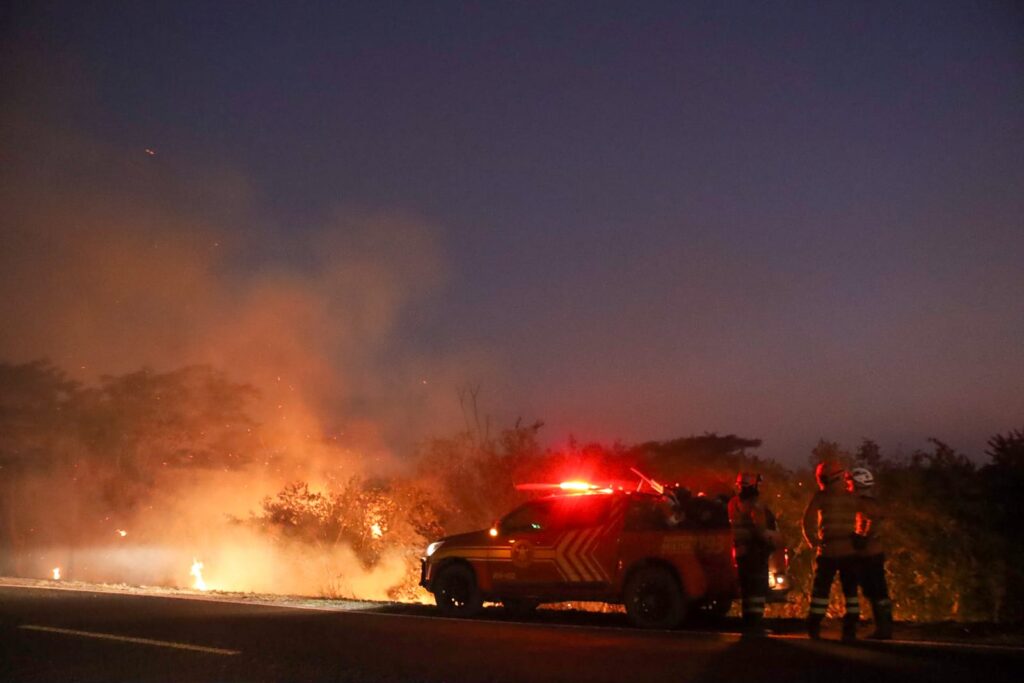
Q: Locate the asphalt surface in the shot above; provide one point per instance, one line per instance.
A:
(55, 635)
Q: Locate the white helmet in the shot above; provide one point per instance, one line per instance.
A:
(863, 480)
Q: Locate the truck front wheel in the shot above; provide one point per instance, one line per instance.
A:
(654, 599)
(456, 592)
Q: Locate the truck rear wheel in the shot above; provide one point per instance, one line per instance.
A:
(456, 592)
(654, 599)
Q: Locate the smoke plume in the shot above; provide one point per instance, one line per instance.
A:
(116, 256)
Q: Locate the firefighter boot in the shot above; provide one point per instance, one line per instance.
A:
(753, 626)
(850, 627)
(814, 627)
(883, 621)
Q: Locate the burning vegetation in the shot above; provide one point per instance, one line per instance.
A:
(214, 502)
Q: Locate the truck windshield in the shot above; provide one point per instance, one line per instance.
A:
(535, 516)
(569, 512)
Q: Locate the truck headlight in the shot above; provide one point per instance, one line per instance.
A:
(432, 548)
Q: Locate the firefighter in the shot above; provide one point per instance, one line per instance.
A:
(871, 556)
(753, 541)
(677, 500)
(829, 524)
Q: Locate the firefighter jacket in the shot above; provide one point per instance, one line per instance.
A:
(830, 521)
(749, 521)
(870, 523)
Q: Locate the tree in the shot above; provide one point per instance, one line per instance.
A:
(827, 451)
(870, 454)
(39, 408)
(1003, 477)
(144, 424)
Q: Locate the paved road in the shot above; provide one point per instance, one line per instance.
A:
(54, 635)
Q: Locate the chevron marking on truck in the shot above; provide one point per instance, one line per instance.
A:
(588, 555)
(560, 557)
(576, 557)
(574, 552)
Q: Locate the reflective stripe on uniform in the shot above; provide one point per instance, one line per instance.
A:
(852, 606)
(819, 605)
(884, 603)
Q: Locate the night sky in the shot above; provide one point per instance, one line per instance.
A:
(652, 219)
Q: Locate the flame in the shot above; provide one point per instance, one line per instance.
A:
(197, 572)
(122, 533)
(376, 531)
(56, 573)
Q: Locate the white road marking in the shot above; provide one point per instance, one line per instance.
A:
(131, 639)
(376, 609)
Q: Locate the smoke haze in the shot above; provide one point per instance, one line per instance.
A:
(115, 258)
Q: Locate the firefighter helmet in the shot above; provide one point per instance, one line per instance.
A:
(827, 472)
(748, 480)
(863, 480)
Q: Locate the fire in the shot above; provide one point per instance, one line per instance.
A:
(122, 533)
(56, 573)
(197, 572)
(376, 531)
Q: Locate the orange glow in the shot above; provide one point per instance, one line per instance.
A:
(122, 533)
(493, 532)
(56, 573)
(197, 572)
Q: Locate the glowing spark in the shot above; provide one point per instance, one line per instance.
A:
(56, 573)
(122, 533)
(376, 531)
(197, 572)
(151, 152)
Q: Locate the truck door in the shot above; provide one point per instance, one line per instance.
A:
(525, 536)
(557, 547)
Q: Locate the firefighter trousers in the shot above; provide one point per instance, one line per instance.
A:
(871, 574)
(752, 570)
(824, 572)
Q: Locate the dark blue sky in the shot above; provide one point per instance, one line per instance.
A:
(786, 220)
